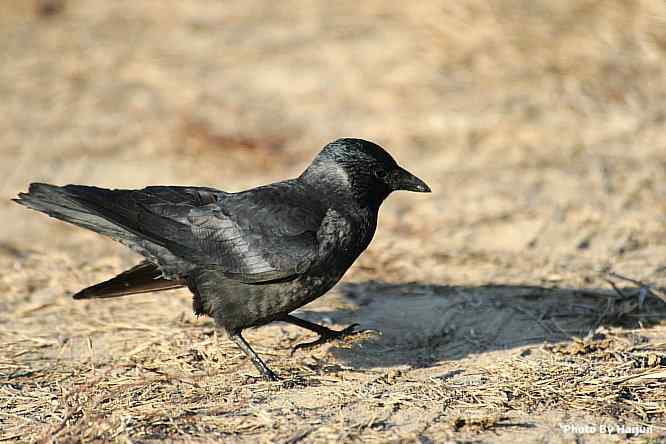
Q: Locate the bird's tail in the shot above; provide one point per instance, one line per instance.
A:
(65, 203)
(99, 210)
(143, 278)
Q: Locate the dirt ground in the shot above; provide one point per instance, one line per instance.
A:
(539, 126)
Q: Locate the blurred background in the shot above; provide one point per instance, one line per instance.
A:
(539, 125)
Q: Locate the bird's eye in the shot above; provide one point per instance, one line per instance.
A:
(381, 174)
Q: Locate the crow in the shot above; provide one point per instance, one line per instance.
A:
(249, 258)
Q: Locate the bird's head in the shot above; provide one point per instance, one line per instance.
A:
(363, 169)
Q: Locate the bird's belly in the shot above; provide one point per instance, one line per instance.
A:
(272, 304)
(236, 305)
(310, 288)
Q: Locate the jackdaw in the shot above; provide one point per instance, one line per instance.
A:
(251, 257)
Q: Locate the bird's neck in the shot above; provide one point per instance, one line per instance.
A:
(343, 190)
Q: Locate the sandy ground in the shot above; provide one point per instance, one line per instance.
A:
(539, 126)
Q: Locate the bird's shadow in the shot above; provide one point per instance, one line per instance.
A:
(423, 324)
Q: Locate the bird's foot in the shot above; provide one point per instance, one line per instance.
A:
(265, 371)
(327, 336)
(268, 375)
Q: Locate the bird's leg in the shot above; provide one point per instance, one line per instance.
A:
(325, 334)
(266, 372)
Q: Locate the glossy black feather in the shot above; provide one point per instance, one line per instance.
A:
(142, 278)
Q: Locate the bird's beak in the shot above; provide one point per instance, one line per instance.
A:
(404, 180)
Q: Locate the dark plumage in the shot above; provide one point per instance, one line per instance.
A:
(251, 257)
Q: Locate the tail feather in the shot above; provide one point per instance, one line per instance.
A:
(143, 278)
(105, 212)
(81, 206)
(57, 202)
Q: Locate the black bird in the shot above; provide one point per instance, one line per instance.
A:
(251, 257)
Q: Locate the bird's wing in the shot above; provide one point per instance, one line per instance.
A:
(123, 215)
(262, 235)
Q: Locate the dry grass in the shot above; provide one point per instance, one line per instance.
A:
(538, 124)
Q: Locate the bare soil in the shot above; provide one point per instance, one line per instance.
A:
(539, 126)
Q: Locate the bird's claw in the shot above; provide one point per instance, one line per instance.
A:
(330, 335)
(270, 376)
